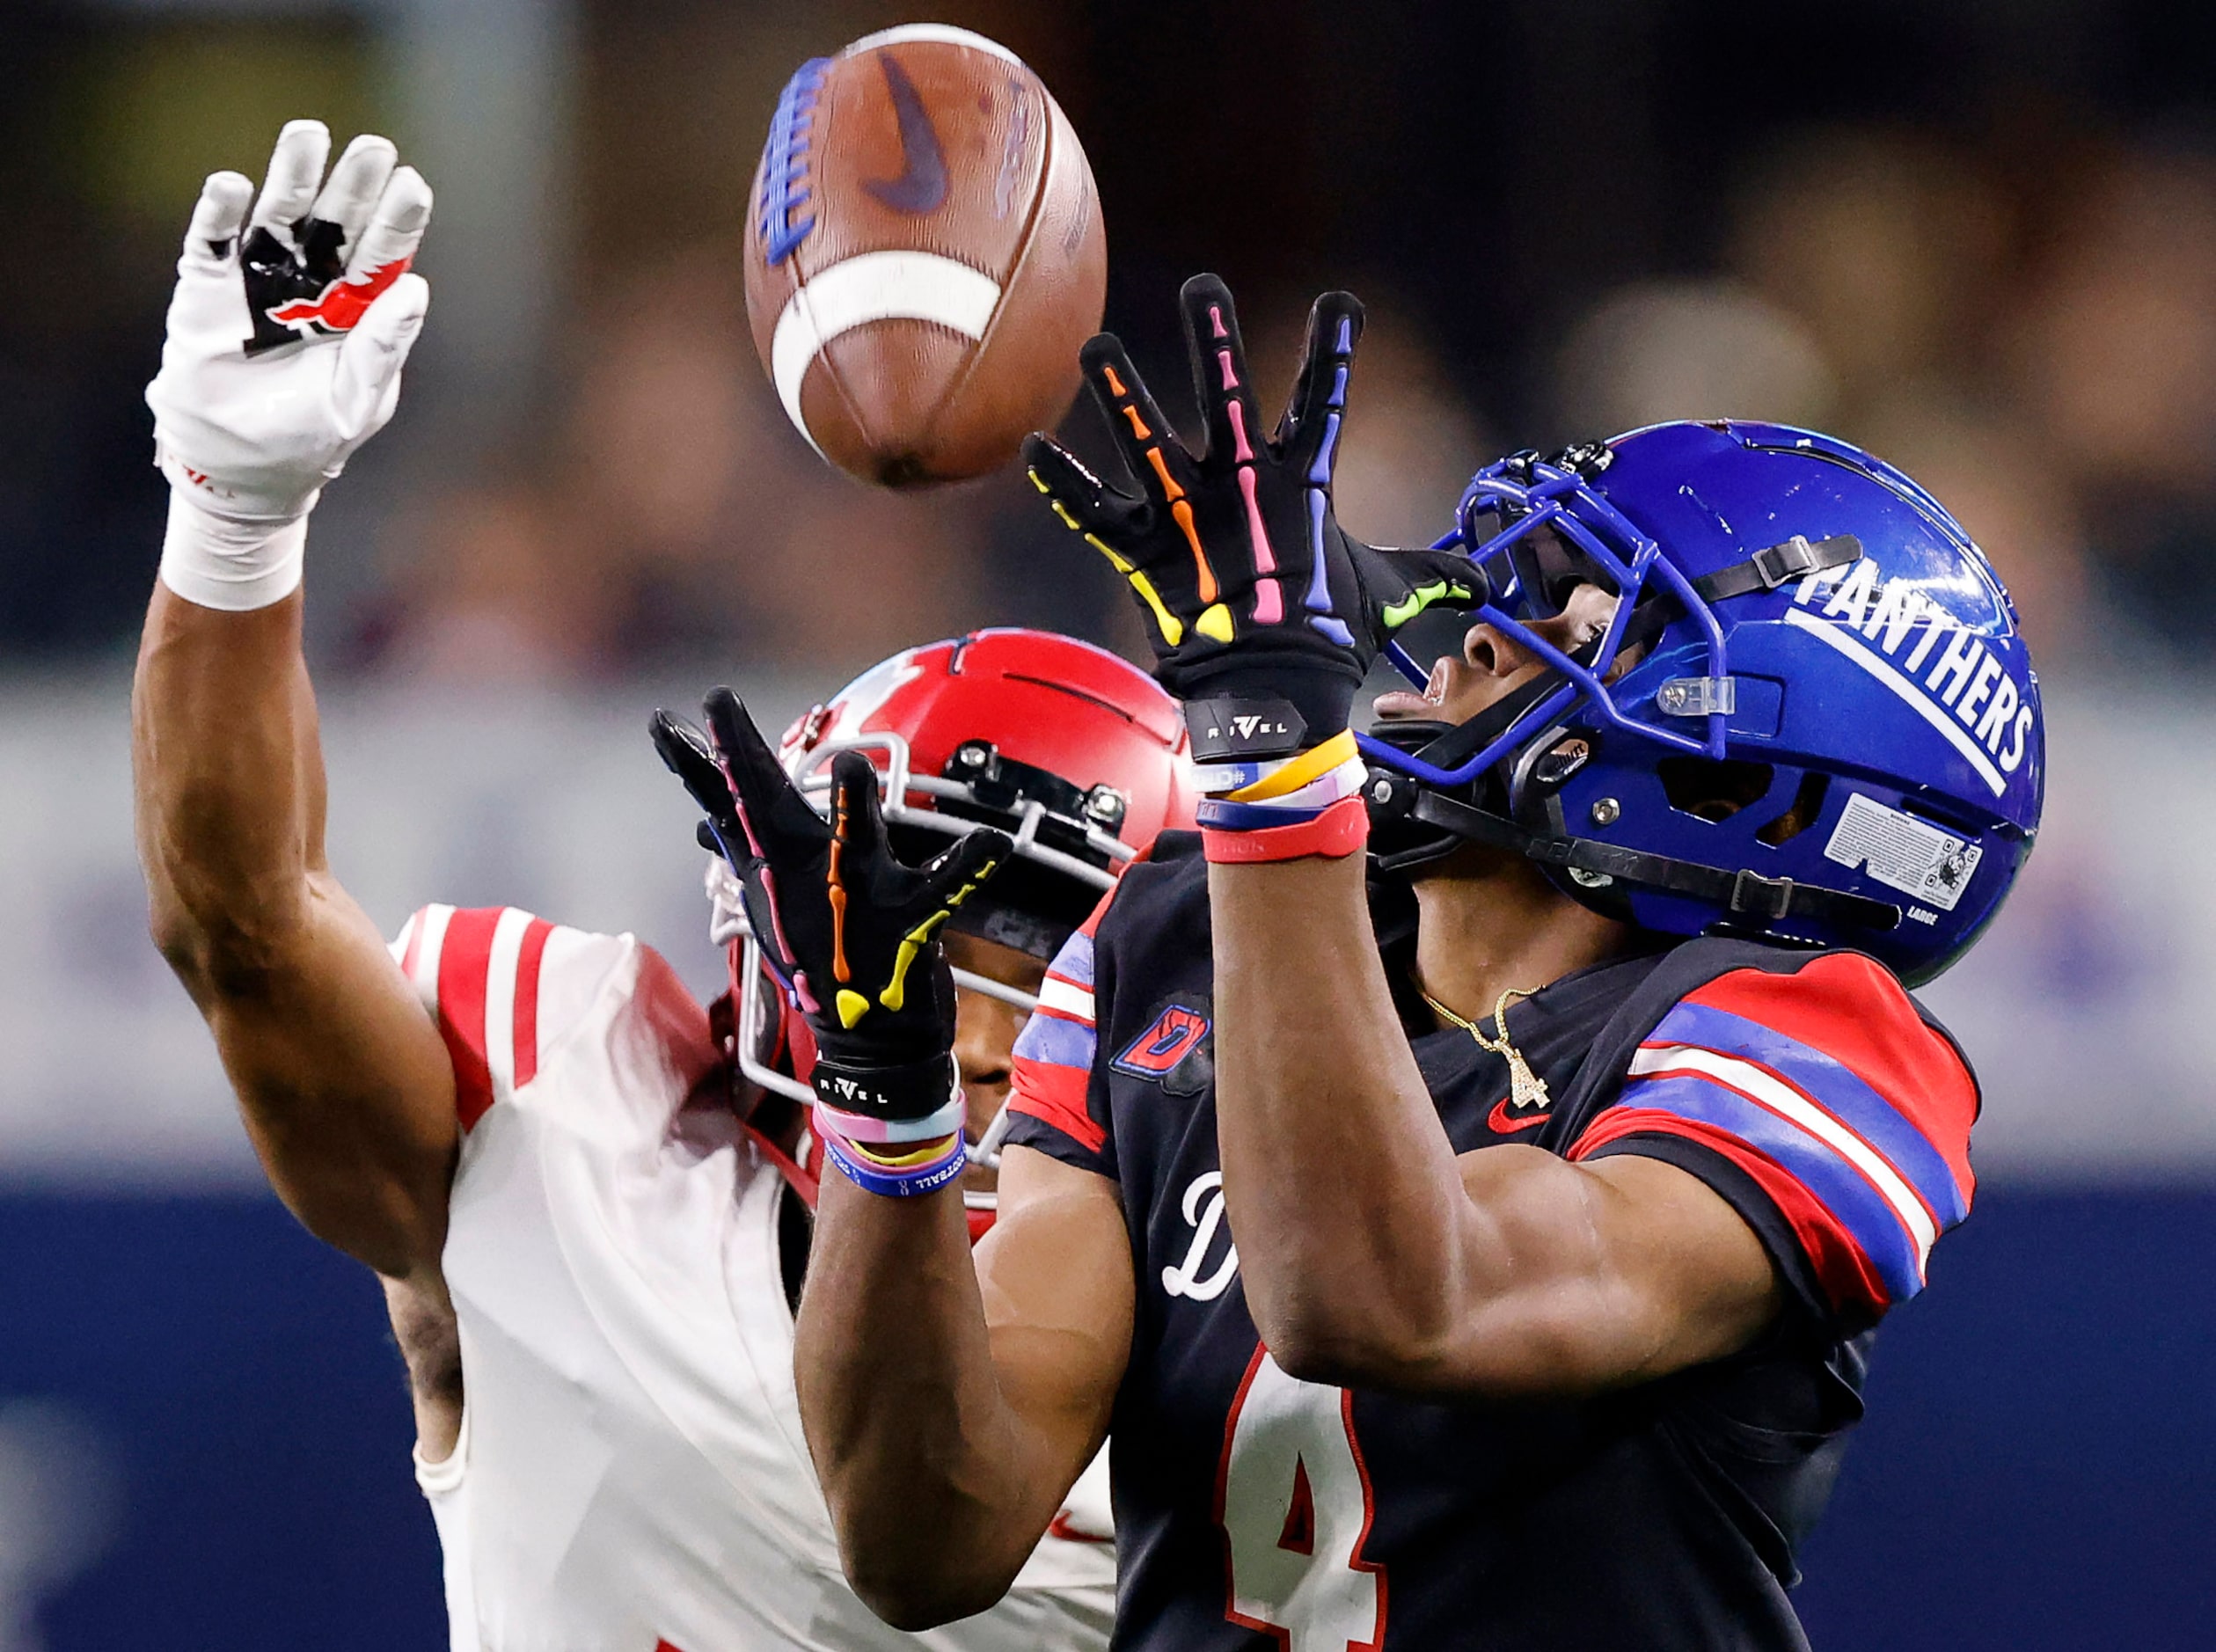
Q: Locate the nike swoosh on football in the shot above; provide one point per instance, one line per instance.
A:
(922, 184)
(1501, 1122)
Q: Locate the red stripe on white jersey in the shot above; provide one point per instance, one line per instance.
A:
(478, 972)
(528, 959)
(501, 967)
(464, 961)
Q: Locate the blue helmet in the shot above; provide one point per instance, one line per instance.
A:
(1831, 738)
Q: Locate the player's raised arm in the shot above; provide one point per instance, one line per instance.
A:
(287, 334)
(1369, 1255)
(949, 1405)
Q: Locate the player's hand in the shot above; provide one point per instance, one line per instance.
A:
(851, 930)
(1252, 591)
(288, 327)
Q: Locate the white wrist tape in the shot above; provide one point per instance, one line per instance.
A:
(235, 566)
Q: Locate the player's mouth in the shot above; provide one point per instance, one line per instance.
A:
(1407, 703)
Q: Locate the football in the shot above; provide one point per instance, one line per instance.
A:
(924, 255)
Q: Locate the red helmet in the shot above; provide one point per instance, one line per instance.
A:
(1074, 753)
(1079, 756)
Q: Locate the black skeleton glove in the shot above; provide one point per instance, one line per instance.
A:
(851, 930)
(1255, 597)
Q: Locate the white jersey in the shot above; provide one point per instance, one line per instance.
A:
(631, 1475)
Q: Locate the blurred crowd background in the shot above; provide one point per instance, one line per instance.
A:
(1978, 239)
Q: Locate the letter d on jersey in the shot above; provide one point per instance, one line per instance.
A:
(1203, 1207)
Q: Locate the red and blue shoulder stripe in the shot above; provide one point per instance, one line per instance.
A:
(1827, 1090)
(1052, 1070)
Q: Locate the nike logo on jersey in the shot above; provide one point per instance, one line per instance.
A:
(1931, 661)
(922, 184)
(1503, 1121)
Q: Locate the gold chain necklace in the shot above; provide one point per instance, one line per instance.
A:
(1525, 1088)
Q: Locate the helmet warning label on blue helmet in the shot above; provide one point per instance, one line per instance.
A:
(1903, 852)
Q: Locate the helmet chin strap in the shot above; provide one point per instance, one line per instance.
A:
(1748, 896)
(1447, 745)
(1431, 822)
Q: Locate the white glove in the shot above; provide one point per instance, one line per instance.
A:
(284, 354)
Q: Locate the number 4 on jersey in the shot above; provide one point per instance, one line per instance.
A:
(1293, 1499)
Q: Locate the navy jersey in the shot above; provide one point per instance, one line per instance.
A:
(1256, 1509)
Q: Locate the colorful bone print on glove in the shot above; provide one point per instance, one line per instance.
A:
(1263, 614)
(852, 932)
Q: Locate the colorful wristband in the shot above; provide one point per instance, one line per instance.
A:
(1221, 815)
(1326, 789)
(1220, 779)
(1270, 778)
(1294, 773)
(867, 1127)
(930, 1156)
(925, 1171)
(1337, 833)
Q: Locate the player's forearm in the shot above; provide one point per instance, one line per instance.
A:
(344, 1087)
(921, 1459)
(1370, 1255)
(1354, 1230)
(228, 785)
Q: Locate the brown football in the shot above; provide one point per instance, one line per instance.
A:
(924, 255)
